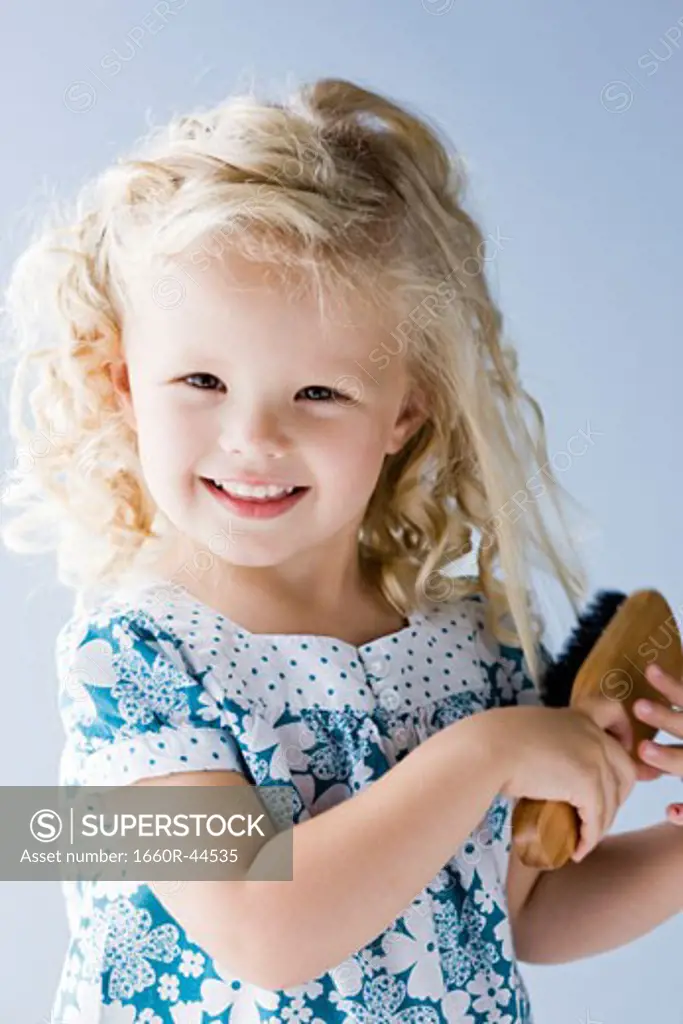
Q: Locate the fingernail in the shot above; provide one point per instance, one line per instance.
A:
(656, 672)
(644, 707)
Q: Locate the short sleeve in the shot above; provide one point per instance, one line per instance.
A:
(131, 707)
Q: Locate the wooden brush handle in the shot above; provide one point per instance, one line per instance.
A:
(545, 833)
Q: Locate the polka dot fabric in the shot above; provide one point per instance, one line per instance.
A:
(152, 681)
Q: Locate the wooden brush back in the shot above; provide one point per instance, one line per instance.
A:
(643, 631)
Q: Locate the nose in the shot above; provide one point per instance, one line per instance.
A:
(252, 429)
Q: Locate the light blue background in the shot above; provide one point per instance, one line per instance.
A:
(582, 178)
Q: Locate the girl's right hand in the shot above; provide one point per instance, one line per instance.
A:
(563, 754)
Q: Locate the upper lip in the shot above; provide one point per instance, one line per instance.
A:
(252, 481)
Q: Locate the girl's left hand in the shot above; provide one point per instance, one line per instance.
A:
(663, 759)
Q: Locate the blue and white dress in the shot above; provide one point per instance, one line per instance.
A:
(153, 681)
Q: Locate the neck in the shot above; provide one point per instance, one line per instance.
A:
(327, 595)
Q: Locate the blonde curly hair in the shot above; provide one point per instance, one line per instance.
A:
(363, 197)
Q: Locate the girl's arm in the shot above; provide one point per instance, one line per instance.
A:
(627, 885)
(356, 866)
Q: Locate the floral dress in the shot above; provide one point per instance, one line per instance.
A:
(153, 681)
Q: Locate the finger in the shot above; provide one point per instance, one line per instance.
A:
(659, 716)
(646, 772)
(584, 813)
(589, 809)
(674, 813)
(667, 684)
(585, 832)
(668, 758)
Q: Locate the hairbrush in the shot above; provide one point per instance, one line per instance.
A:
(614, 641)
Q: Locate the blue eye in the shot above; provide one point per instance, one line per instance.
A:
(328, 393)
(204, 377)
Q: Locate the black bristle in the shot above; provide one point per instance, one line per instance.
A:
(558, 680)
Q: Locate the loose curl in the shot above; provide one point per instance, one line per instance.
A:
(346, 190)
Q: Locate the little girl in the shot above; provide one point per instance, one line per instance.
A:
(279, 407)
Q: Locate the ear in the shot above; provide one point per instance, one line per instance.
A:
(118, 373)
(412, 415)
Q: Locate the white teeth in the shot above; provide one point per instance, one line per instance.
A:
(245, 491)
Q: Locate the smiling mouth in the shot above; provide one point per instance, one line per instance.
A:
(252, 507)
(258, 499)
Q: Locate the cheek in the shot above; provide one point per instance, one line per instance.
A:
(351, 451)
(169, 440)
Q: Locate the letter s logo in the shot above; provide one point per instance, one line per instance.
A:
(45, 826)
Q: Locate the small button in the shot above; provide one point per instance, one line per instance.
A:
(378, 667)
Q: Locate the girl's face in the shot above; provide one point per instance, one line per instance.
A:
(235, 380)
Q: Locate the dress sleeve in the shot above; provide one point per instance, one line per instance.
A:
(131, 706)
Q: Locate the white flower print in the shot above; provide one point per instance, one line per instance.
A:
(347, 978)
(328, 798)
(487, 988)
(245, 1000)
(454, 1006)
(148, 1017)
(465, 951)
(191, 964)
(497, 1016)
(449, 956)
(129, 944)
(146, 690)
(310, 990)
(485, 900)
(369, 962)
(503, 677)
(186, 1013)
(88, 1008)
(209, 710)
(518, 993)
(503, 934)
(262, 735)
(295, 738)
(368, 731)
(296, 1012)
(168, 988)
(360, 776)
(418, 950)
(382, 998)
(122, 636)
